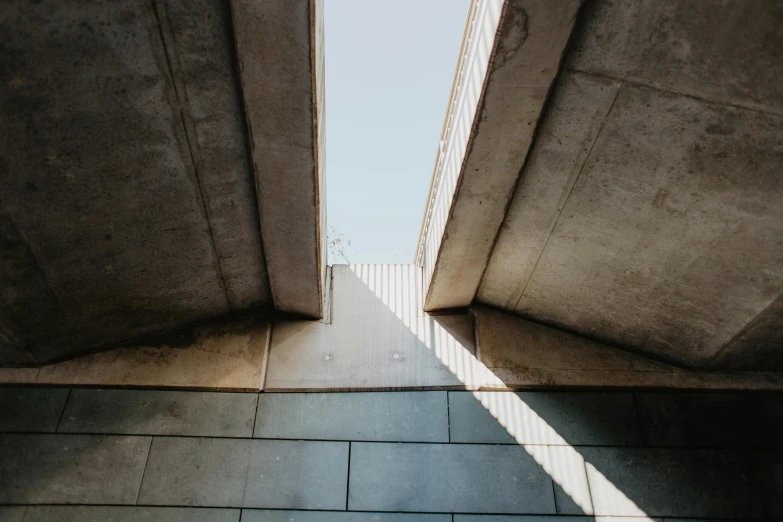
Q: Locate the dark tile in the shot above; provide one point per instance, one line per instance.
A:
(448, 478)
(712, 420)
(668, 519)
(297, 475)
(249, 473)
(128, 514)
(31, 409)
(65, 469)
(580, 418)
(547, 518)
(768, 477)
(389, 416)
(206, 414)
(670, 482)
(257, 515)
(196, 472)
(12, 514)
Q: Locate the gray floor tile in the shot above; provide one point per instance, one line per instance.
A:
(768, 475)
(257, 515)
(12, 514)
(583, 418)
(670, 482)
(549, 518)
(64, 469)
(196, 472)
(249, 473)
(711, 420)
(447, 478)
(297, 475)
(390, 416)
(31, 409)
(147, 412)
(667, 519)
(129, 514)
(566, 466)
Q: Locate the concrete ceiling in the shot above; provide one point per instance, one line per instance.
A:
(646, 210)
(139, 139)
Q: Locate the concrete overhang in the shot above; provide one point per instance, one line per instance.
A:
(139, 141)
(638, 202)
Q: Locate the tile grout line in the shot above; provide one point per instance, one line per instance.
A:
(255, 415)
(348, 478)
(421, 442)
(551, 478)
(589, 489)
(62, 413)
(448, 415)
(144, 473)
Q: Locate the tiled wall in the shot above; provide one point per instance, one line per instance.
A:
(395, 456)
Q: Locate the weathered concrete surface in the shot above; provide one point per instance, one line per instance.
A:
(279, 46)
(529, 45)
(648, 214)
(129, 207)
(578, 109)
(200, 52)
(758, 345)
(521, 354)
(726, 51)
(667, 240)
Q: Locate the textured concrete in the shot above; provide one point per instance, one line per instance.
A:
(521, 354)
(138, 163)
(393, 416)
(71, 469)
(648, 211)
(104, 180)
(12, 514)
(576, 112)
(229, 355)
(720, 50)
(442, 478)
(641, 268)
(576, 418)
(279, 45)
(31, 409)
(530, 41)
(128, 514)
(246, 473)
(139, 412)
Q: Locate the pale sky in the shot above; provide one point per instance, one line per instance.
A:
(389, 67)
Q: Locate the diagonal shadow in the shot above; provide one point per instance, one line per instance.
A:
(625, 479)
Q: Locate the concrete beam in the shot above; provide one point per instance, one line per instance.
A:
(128, 205)
(648, 214)
(280, 51)
(484, 149)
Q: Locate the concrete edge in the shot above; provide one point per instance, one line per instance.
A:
(281, 86)
(528, 49)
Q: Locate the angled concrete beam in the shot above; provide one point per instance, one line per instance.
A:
(510, 57)
(280, 53)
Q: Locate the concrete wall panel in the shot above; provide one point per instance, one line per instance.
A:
(666, 242)
(127, 206)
